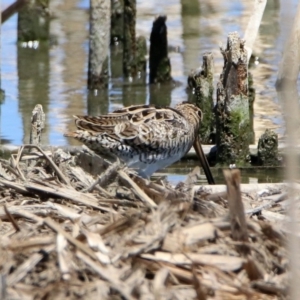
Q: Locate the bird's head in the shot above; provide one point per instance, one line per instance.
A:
(191, 112)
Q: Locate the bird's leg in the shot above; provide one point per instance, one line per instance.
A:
(203, 161)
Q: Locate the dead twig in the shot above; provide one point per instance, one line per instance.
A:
(11, 219)
(236, 207)
(137, 190)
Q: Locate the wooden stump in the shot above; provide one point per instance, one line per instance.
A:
(99, 44)
(202, 83)
(267, 150)
(159, 63)
(129, 46)
(37, 125)
(232, 109)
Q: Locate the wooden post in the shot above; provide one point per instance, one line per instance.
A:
(236, 208)
(129, 46)
(232, 108)
(159, 63)
(37, 125)
(99, 44)
(202, 83)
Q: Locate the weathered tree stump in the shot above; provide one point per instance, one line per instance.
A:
(201, 81)
(99, 44)
(37, 125)
(159, 63)
(267, 150)
(33, 21)
(232, 108)
(129, 45)
(117, 21)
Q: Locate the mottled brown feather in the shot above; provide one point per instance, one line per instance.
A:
(145, 137)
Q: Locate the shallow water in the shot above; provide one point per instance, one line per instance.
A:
(54, 74)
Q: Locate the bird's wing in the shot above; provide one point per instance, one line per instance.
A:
(136, 125)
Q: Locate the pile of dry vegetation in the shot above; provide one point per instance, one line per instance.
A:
(66, 235)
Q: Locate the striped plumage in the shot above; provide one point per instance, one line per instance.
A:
(145, 137)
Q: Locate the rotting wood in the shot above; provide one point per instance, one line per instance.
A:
(129, 42)
(233, 133)
(267, 149)
(201, 81)
(236, 207)
(159, 62)
(99, 41)
(37, 125)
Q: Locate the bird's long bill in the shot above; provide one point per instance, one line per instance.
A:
(203, 161)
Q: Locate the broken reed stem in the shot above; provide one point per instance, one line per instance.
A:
(11, 219)
(137, 190)
(55, 227)
(53, 165)
(28, 265)
(236, 207)
(105, 176)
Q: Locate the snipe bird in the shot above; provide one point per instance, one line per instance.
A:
(145, 137)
